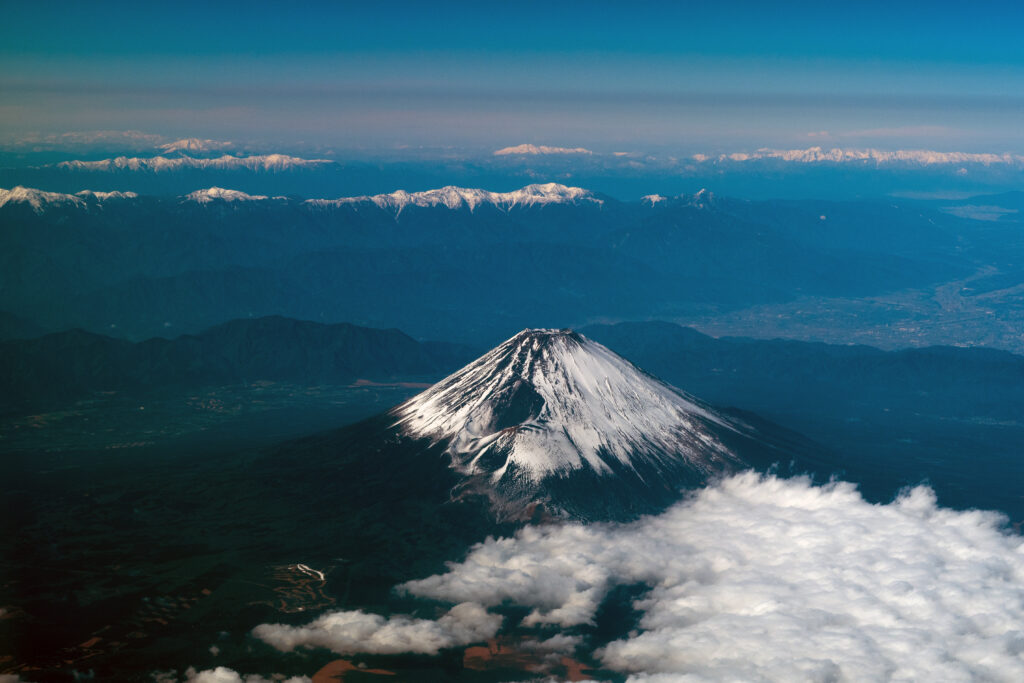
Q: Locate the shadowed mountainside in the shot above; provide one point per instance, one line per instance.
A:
(945, 415)
(64, 365)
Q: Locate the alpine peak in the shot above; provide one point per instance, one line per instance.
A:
(549, 402)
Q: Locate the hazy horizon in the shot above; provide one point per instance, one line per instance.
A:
(650, 78)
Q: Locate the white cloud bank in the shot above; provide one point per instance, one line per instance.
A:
(754, 579)
(222, 674)
(351, 632)
(772, 579)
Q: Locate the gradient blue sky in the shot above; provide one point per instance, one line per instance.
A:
(636, 76)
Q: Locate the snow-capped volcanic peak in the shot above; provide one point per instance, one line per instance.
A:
(458, 197)
(548, 402)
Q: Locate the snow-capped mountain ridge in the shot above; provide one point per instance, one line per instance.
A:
(702, 199)
(534, 150)
(813, 155)
(227, 162)
(211, 194)
(40, 200)
(552, 402)
(453, 197)
(450, 197)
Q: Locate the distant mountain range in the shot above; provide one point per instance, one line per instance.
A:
(152, 165)
(810, 155)
(458, 263)
(178, 155)
(539, 149)
(448, 197)
(459, 197)
(163, 164)
(840, 155)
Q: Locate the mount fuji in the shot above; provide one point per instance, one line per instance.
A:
(553, 423)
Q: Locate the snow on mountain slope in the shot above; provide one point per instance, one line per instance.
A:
(40, 200)
(211, 194)
(551, 402)
(534, 150)
(104, 196)
(552, 424)
(839, 155)
(195, 145)
(262, 162)
(458, 197)
(702, 199)
(450, 197)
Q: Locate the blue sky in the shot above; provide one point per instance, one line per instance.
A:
(643, 76)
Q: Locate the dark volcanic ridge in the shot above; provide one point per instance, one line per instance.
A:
(63, 366)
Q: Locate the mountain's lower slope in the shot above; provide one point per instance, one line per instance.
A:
(552, 419)
(942, 415)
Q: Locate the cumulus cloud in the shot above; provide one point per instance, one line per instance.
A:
(558, 643)
(222, 674)
(774, 579)
(352, 632)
